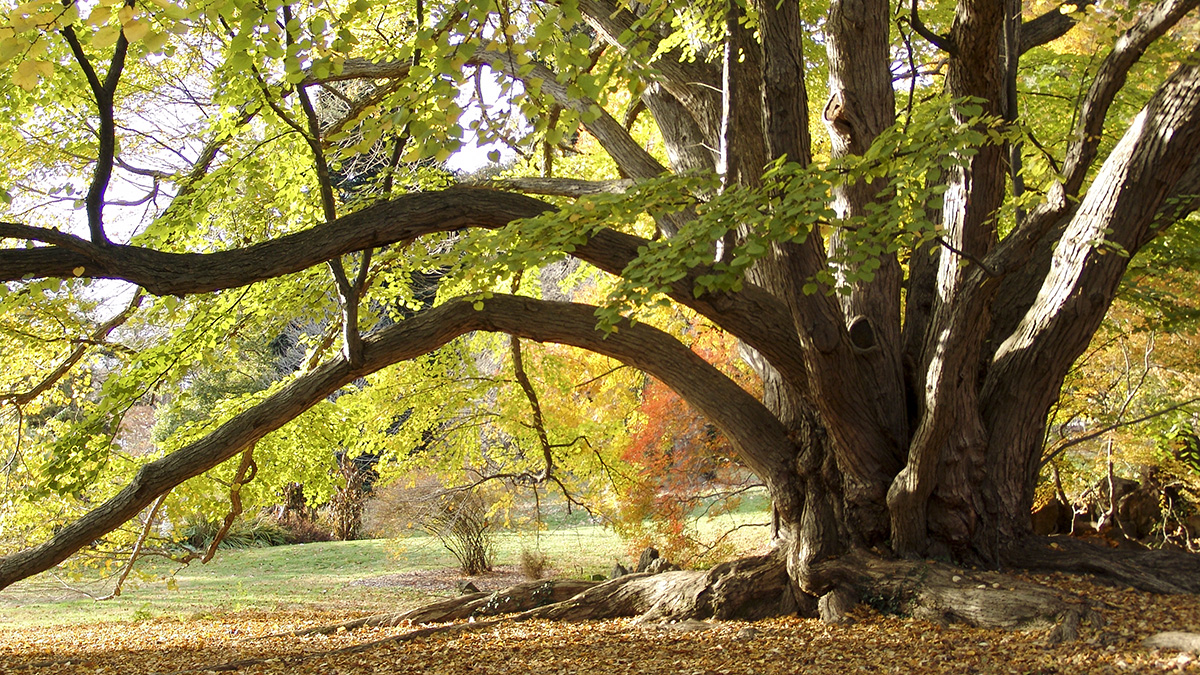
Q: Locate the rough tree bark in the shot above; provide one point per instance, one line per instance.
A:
(888, 431)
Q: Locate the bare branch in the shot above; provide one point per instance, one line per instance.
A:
(246, 472)
(137, 547)
(1064, 445)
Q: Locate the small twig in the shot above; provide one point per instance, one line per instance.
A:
(963, 254)
(137, 547)
(912, 82)
(1112, 427)
(97, 338)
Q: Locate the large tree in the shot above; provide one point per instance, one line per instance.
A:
(912, 285)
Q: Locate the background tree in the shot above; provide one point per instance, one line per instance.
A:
(914, 286)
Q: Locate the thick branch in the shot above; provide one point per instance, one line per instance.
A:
(1110, 79)
(562, 187)
(1137, 180)
(761, 440)
(1051, 25)
(942, 42)
(399, 220)
(692, 82)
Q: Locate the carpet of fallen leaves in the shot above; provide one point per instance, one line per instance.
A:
(873, 643)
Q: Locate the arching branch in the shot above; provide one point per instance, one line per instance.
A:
(761, 440)
(401, 219)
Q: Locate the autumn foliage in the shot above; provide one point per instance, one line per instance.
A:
(682, 465)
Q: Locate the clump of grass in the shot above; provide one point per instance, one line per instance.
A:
(198, 533)
(533, 563)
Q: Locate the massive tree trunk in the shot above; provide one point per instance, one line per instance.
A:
(903, 411)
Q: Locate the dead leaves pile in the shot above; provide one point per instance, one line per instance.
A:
(874, 643)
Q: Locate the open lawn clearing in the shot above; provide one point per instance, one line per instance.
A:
(375, 575)
(874, 643)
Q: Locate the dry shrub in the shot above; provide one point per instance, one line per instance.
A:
(301, 531)
(458, 517)
(346, 506)
(533, 564)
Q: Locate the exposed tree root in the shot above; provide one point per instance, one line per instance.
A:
(935, 591)
(1156, 571)
(511, 600)
(759, 587)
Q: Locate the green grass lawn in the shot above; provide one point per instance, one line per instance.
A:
(316, 576)
(305, 576)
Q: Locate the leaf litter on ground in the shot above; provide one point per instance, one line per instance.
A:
(872, 643)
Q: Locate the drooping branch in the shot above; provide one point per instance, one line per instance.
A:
(760, 438)
(535, 406)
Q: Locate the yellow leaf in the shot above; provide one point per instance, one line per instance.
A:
(125, 14)
(30, 7)
(78, 271)
(99, 16)
(136, 30)
(44, 68)
(106, 37)
(10, 47)
(26, 76)
(155, 41)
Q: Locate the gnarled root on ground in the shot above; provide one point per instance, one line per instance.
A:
(759, 587)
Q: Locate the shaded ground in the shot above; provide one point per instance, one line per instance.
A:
(874, 643)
